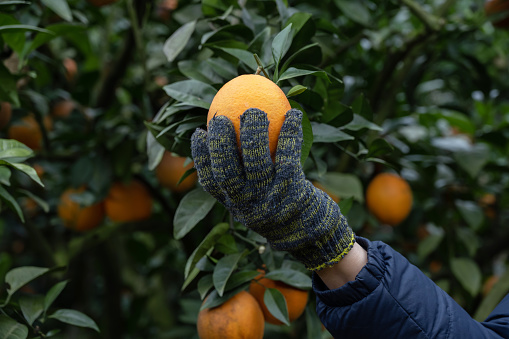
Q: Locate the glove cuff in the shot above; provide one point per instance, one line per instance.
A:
(323, 246)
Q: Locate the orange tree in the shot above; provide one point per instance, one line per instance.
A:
(409, 87)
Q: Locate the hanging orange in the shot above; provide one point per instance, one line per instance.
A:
(252, 91)
(171, 169)
(77, 217)
(240, 317)
(389, 198)
(127, 202)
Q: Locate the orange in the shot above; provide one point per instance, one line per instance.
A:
(435, 266)
(71, 69)
(497, 7)
(489, 283)
(240, 317)
(5, 113)
(100, 3)
(171, 169)
(128, 202)
(29, 206)
(251, 91)
(77, 217)
(389, 198)
(322, 187)
(165, 7)
(39, 170)
(296, 299)
(63, 109)
(28, 131)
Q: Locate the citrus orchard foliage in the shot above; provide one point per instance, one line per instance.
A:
(104, 93)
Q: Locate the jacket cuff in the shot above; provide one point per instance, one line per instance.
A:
(365, 282)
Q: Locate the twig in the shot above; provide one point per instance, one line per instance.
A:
(136, 23)
(431, 22)
(260, 66)
(112, 73)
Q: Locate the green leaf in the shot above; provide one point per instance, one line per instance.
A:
(239, 278)
(293, 72)
(497, 293)
(15, 2)
(32, 307)
(57, 30)
(337, 114)
(53, 293)
(468, 274)
(20, 276)
(5, 176)
(214, 299)
(473, 161)
(191, 92)
(11, 202)
(178, 40)
(298, 21)
(25, 169)
(291, 277)
(76, 318)
(313, 323)
(471, 212)
(207, 243)
(60, 7)
(355, 11)
(344, 185)
(345, 205)
(245, 56)
(362, 107)
(11, 329)
(469, 239)
(379, 147)
(198, 70)
(192, 208)
(22, 28)
(429, 244)
(222, 67)
(276, 304)
(155, 151)
(281, 44)
(226, 244)
(327, 133)
(358, 123)
(204, 285)
(14, 151)
(223, 270)
(296, 90)
(307, 49)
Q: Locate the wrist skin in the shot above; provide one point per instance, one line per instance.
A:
(346, 270)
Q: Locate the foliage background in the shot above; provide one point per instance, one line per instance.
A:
(408, 86)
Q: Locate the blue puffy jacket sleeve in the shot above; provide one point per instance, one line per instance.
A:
(391, 298)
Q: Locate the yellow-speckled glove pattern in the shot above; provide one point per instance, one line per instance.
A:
(272, 198)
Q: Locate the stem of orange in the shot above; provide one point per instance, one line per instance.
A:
(260, 66)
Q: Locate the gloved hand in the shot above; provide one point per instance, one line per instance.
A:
(273, 199)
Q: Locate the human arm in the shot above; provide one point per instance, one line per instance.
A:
(391, 298)
(346, 270)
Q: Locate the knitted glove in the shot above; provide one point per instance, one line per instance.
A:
(273, 199)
